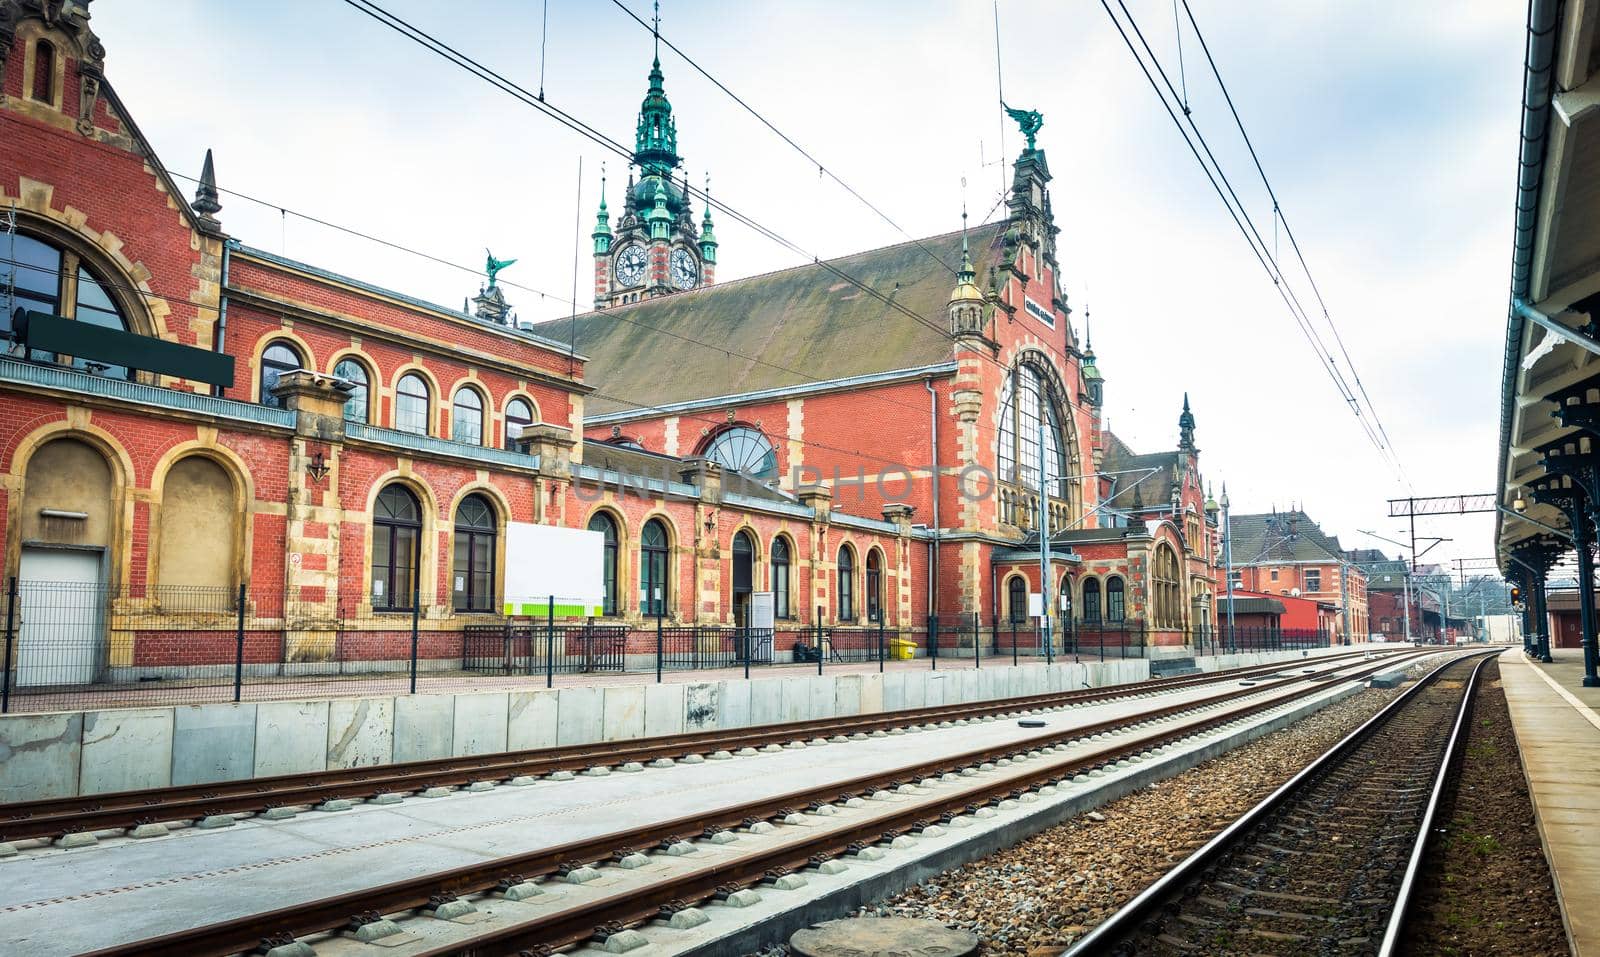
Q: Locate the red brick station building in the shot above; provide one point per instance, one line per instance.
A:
(862, 438)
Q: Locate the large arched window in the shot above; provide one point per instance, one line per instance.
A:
(1091, 599)
(653, 585)
(42, 277)
(276, 359)
(1028, 400)
(847, 583)
(396, 539)
(466, 416)
(607, 526)
(1017, 599)
(1116, 606)
(519, 415)
(781, 605)
(353, 372)
(874, 585)
(744, 450)
(472, 575)
(411, 401)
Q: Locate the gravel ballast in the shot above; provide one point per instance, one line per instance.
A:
(1040, 895)
(1485, 888)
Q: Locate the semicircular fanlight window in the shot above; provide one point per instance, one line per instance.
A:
(744, 450)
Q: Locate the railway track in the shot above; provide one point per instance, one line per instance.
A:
(840, 818)
(54, 818)
(1326, 864)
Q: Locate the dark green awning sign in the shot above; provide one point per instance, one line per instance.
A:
(82, 340)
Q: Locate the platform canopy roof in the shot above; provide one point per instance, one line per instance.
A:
(1551, 349)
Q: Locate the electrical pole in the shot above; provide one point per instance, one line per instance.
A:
(1227, 558)
(1045, 591)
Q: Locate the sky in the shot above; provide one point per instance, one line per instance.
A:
(1388, 131)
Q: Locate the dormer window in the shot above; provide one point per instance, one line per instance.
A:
(44, 72)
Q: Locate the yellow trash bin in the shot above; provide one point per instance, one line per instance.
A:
(901, 649)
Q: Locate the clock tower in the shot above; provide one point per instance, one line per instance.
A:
(653, 248)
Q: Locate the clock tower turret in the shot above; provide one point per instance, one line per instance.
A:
(654, 248)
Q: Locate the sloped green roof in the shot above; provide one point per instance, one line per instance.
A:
(778, 329)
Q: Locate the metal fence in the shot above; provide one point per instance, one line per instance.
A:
(75, 644)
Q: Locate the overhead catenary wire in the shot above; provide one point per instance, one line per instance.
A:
(1252, 237)
(1277, 210)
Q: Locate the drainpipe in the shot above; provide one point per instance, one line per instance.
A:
(933, 448)
(222, 309)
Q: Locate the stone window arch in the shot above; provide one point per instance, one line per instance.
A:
(782, 586)
(413, 404)
(358, 407)
(1166, 587)
(466, 416)
(1091, 600)
(396, 548)
(655, 580)
(43, 85)
(606, 525)
(847, 583)
(1017, 599)
(477, 534)
(1116, 599)
(520, 414)
(279, 357)
(874, 584)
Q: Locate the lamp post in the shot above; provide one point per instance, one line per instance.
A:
(1227, 558)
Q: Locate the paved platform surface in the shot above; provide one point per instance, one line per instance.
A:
(59, 902)
(1558, 730)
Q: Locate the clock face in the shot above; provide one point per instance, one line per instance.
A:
(684, 269)
(630, 265)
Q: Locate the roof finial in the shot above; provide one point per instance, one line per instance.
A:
(655, 28)
(206, 201)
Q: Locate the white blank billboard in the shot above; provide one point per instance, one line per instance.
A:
(545, 562)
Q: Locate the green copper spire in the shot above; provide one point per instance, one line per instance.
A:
(602, 225)
(656, 139)
(966, 278)
(708, 239)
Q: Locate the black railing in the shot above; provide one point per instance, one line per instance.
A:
(72, 644)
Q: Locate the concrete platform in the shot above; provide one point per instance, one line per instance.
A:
(59, 901)
(1557, 722)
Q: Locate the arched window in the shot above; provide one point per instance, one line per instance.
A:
(44, 72)
(1116, 608)
(744, 450)
(1091, 599)
(1028, 398)
(847, 584)
(744, 576)
(472, 576)
(653, 585)
(1017, 599)
(466, 417)
(353, 372)
(519, 415)
(396, 538)
(411, 401)
(1066, 598)
(780, 578)
(874, 585)
(278, 358)
(607, 526)
(42, 277)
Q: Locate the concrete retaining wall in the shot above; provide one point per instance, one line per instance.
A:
(1247, 659)
(91, 752)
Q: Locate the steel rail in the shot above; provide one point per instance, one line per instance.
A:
(332, 913)
(1397, 915)
(50, 818)
(1103, 938)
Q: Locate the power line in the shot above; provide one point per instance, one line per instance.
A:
(1240, 218)
(391, 244)
(1294, 244)
(447, 52)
